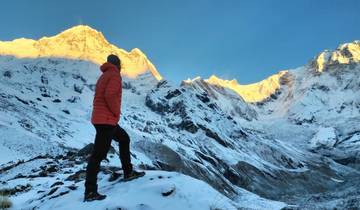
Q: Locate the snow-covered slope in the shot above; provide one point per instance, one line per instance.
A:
(60, 185)
(297, 144)
(50, 99)
(80, 42)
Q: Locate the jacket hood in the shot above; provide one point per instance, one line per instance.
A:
(108, 66)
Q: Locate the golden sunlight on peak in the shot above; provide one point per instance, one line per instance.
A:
(344, 54)
(255, 92)
(80, 42)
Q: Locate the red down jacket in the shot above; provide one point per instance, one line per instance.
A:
(107, 99)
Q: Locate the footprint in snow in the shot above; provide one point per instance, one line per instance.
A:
(143, 207)
(160, 177)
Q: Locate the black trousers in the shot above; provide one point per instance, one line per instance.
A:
(104, 136)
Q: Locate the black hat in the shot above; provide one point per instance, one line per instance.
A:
(113, 59)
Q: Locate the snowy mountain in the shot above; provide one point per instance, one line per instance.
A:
(290, 141)
(256, 92)
(80, 42)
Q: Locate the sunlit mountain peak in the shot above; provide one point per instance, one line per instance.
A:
(253, 92)
(80, 42)
(347, 53)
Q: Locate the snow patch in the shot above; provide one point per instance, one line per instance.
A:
(325, 137)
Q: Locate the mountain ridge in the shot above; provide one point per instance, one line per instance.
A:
(86, 43)
(344, 54)
(80, 42)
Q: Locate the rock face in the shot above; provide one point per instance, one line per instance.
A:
(274, 148)
(345, 54)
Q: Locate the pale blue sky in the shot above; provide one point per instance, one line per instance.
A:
(246, 40)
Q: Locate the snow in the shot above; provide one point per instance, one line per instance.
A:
(344, 54)
(253, 92)
(203, 128)
(80, 42)
(158, 190)
(325, 137)
(146, 193)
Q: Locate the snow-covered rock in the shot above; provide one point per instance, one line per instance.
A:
(58, 183)
(345, 54)
(325, 137)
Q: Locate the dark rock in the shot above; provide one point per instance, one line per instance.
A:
(86, 151)
(77, 76)
(299, 121)
(7, 74)
(44, 80)
(213, 135)
(126, 85)
(22, 101)
(206, 158)
(72, 187)
(45, 92)
(78, 88)
(273, 96)
(159, 107)
(26, 124)
(52, 168)
(203, 97)
(188, 125)
(172, 94)
(213, 106)
(73, 99)
(348, 160)
(163, 157)
(161, 83)
(56, 184)
(66, 111)
(60, 194)
(70, 154)
(77, 177)
(168, 192)
(15, 190)
(43, 174)
(52, 191)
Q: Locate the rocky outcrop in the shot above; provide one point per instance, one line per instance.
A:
(345, 55)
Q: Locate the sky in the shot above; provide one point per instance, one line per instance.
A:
(233, 39)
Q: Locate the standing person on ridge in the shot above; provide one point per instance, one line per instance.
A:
(105, 118)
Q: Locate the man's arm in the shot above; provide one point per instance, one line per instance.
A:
(112, 93)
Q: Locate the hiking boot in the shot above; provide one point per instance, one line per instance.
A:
(92, 196)
(133, 175)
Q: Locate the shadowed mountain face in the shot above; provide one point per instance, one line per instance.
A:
(299, 144)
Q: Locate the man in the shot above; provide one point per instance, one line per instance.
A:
(105, 118)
